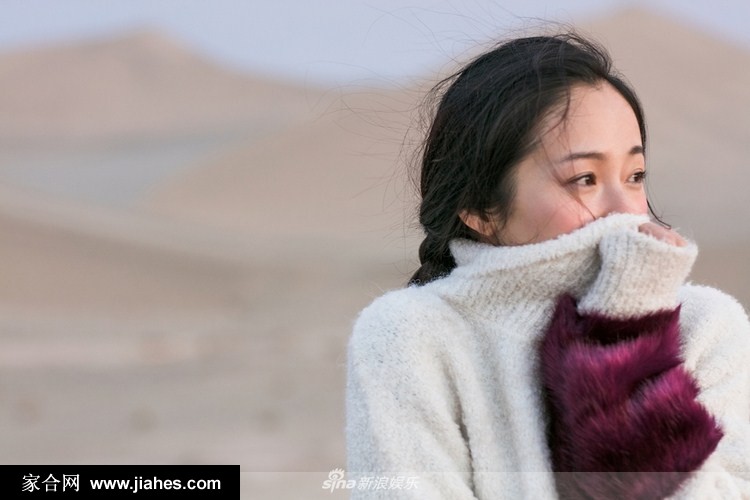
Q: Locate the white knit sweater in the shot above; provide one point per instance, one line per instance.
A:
(443, 379)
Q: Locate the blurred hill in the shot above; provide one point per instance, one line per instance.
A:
(142, 84)
(339, 179)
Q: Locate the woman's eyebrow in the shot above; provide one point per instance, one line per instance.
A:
(597, 155)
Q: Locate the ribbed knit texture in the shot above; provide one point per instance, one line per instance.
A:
(444, 380)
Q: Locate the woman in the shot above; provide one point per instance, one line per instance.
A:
(548, 346)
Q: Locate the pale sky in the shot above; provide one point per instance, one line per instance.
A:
(331, 40)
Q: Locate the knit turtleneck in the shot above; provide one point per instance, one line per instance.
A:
(607, 265)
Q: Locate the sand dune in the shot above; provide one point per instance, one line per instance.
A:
(140, 84)
(61, 258)
(338, 178)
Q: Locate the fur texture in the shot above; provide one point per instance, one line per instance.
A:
(624, 421)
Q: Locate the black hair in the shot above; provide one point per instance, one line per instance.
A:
(487, 120)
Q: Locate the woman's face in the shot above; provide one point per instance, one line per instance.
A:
(588, 166)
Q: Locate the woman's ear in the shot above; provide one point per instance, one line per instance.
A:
(479, 223)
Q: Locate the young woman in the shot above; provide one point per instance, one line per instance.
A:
(548, 346)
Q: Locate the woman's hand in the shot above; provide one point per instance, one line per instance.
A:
(662, 233)
(641, 271)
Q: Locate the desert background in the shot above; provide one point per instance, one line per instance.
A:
(185, 246)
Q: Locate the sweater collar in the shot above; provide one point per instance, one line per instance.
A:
(489, 279)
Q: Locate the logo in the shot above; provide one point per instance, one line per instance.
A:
(337, 479)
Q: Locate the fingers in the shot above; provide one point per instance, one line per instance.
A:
(662, 233)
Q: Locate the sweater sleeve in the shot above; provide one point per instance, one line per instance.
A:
(639, 275)
(403, 414)
(625, 417)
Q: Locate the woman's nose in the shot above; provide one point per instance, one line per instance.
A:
(622, 201)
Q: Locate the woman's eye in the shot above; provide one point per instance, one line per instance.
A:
(638, 177)
(584, 180)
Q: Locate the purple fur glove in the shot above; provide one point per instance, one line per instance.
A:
(624, 421)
